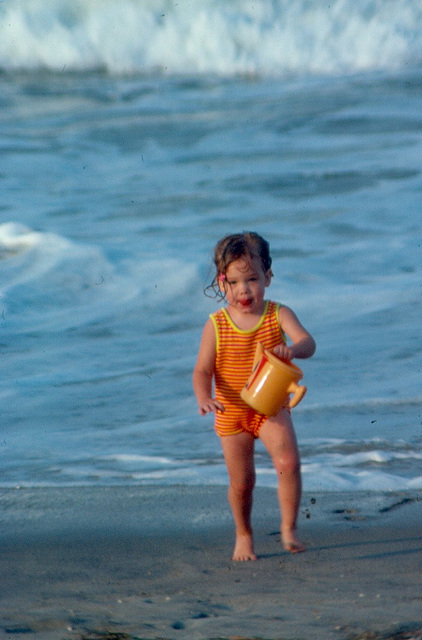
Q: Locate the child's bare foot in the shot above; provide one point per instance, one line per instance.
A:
(291, 542)
(243, 549)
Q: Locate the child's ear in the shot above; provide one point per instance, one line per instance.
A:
(268, 275)
(221, 282)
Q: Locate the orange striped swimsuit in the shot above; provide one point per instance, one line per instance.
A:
(233, 366)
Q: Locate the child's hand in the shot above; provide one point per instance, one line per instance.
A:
(283, 352)
(211, 406)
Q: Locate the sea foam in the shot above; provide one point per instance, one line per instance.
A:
(266, 37)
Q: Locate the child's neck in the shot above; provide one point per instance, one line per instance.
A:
(245, 321)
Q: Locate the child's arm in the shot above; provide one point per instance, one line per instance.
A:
(204, 372)
(303, 344)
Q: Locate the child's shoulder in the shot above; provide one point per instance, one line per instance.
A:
(218, 315)
(273, 306)
(283, 312)
(283, 309)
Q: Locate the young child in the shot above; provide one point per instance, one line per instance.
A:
(226, 355)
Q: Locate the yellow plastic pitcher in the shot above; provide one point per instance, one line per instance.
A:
(271, 382)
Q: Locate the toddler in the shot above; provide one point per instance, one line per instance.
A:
(226, 355)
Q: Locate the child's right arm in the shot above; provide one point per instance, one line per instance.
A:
(204, 372)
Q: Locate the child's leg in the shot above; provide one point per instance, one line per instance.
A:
(238, 453)
(278, 437)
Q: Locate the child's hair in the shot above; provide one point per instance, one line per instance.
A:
(247, 245)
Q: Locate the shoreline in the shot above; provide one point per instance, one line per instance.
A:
(154, 562)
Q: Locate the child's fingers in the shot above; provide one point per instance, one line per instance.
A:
(211, 406)
(204, 409)
(283, 352)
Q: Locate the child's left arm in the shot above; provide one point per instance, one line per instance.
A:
(303, 344)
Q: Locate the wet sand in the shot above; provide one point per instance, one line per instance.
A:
(154, 562)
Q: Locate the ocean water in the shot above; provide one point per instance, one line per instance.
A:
(133, 135)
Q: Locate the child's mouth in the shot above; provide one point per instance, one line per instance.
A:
(246, 303)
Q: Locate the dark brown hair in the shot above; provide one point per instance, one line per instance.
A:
(247, 245)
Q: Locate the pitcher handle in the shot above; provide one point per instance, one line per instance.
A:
(259, 350)
(298, 391)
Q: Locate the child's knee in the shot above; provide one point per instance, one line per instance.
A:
(287, 465)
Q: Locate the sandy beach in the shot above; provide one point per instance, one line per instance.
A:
(154, 562)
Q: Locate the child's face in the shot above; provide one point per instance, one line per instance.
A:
(245, 284)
